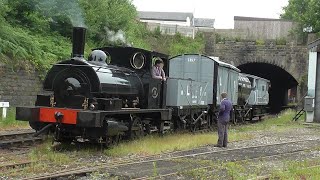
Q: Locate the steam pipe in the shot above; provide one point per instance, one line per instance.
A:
(78, 41)
(43, 130)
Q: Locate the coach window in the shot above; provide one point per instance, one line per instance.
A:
(157, 70)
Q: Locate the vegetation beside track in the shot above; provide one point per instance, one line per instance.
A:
(48, 158)
(155, 144)
(10, 123)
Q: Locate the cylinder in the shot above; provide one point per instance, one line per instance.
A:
(78, 41)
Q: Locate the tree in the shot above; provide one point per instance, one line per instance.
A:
(25, 14)
(305, 12)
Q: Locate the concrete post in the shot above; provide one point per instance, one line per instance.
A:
(317, 90)
(4, 113)
(4, 106)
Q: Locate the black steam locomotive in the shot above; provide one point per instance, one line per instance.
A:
(112, 95)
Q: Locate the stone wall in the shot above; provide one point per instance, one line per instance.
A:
(263, 28)
(292, 58)
(19, 87)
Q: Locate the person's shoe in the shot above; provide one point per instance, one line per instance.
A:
(217, 145)
(224, 146)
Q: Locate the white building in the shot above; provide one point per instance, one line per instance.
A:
(176, 22)
(175, 18)
(169, 18)
(312, 100)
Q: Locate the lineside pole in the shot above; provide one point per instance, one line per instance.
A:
(4, 112)
(317, 90)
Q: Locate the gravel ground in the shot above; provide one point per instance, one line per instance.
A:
(266, 157)
(274, 148)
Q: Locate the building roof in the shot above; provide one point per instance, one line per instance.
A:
(243, 18)
(224, 64)
(203, 22)
(314, 44)
(255, 77)
(165, 16)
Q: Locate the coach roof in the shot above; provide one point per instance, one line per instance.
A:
(223, 64)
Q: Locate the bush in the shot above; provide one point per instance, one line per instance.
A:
(39, 31)
(40, 50)
(281, 41)
(260, 42)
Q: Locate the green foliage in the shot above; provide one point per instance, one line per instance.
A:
(39, 31)
(137, 35)
(182, 45)
(281, 41)
(155, 171)
(219, 38)
(279, 123)
(303, 83)
(238, 39)
(4, 8)
(260, 42)
(157, 31)
(10, 121)
(41, 50)
(306, 13)
(105, 16)
(151, 145)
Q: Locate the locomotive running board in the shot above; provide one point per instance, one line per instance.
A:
(95, 118)
(81, 118)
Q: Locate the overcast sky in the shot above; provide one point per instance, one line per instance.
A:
(221, 10)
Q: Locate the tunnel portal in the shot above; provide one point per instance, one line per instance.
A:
(281, 82)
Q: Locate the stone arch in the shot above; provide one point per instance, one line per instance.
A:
(281, 80)
(274, 62)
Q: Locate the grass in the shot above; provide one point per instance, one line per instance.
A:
(45, 152)
(48, 157)
(282, 122)
(10, 121)
(298, 173)
(44, 159)
(151, 145)
(308, 169)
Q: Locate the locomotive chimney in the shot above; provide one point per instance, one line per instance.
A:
(78, 41)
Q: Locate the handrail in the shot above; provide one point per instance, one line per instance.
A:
(302, 98)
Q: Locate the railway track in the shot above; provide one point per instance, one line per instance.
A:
(13, 165)
(280, 155)
(124, 166)
(8, 139)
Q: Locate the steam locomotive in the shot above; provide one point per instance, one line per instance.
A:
(112, 95)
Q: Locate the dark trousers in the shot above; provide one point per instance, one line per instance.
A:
(223, 134)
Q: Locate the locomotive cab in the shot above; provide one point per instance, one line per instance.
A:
(140, 61)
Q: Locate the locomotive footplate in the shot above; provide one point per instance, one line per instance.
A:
(83, 118)
(90, 118)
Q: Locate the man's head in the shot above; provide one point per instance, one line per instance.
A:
(224, 95)
(159, 63)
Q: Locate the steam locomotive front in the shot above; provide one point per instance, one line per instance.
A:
(95, 99)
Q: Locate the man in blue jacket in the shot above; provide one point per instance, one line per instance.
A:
(223, 119)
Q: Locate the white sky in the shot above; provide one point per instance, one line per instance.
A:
(222, 11)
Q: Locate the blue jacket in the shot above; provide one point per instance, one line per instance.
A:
(224, 112)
